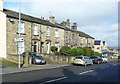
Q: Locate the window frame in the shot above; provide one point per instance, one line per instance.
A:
(47, 31)
(57, 33)
(21, 29)
(35, 31)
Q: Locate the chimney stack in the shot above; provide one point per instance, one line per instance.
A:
(1, 5)
(52, 19)
(42, 18)
(74, 26)
(66, 23)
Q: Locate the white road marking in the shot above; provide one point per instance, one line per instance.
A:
(114, 64)
(86, 72)
(104, 67)
(53, 80)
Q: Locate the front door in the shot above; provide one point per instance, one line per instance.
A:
(48, 47)
(35, 47)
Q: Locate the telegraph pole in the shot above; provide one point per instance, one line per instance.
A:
(19, 32)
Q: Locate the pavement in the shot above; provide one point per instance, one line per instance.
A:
(8, 70)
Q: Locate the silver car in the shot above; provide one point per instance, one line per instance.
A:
(82, 60)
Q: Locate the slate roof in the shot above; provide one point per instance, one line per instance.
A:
(29, 18)
(14, 14)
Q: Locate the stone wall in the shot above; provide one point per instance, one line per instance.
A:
(12, 46)
(59, 58)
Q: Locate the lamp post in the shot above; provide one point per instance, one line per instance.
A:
(19, 32)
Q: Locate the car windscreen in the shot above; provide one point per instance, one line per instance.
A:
(103, 56)
(78, 57)
(93, 57)
(33, 55)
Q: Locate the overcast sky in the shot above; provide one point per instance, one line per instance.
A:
(98, 18)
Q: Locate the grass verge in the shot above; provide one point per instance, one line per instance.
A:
(9, 63)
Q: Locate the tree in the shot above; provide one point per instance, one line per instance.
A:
(53, 48)
(64, 50)
(72, 52)
(79, 50)
(87, 51)
(76, 51)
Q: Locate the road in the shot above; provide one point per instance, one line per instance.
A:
(107, 72)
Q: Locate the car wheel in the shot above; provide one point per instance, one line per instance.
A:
(85, 64)
(45, 63)
(98, 62)
(34, 62)
(73, 64)
(92, 63)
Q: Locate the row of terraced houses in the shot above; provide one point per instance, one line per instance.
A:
(38, 35)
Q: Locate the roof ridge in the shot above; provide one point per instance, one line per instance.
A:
(40, 21)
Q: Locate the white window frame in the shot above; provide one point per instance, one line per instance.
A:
(35, 30)
(57, 45)
(86, 40)
(56, 33)
(47, 31)
(81, 40)
(21, 29)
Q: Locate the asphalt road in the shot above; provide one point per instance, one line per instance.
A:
(107, 72)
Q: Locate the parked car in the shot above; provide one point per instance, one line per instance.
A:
(111, 57)
(82, 60)
(105, 59)
(118, 57)
(37, 59)
(96, 59)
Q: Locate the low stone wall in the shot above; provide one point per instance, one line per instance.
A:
(52, 57)
(59, 58)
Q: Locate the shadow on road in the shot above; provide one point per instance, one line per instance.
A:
(72, 74)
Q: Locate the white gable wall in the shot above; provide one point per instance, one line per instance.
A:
(2, 32)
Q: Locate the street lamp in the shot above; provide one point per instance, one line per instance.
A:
(19, 32)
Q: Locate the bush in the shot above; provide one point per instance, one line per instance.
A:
(64, 50)
(53, 48)
(87, 51)
(72, 52)
(97, 54)
(79, 50)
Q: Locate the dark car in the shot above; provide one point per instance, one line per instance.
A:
(37, 59)
(96, 59)
(118, 57)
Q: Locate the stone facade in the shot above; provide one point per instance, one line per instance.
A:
(38, 35)
(13, 35)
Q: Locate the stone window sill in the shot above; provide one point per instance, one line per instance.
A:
(21, 33)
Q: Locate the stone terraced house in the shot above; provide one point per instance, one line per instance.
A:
(38, 35)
